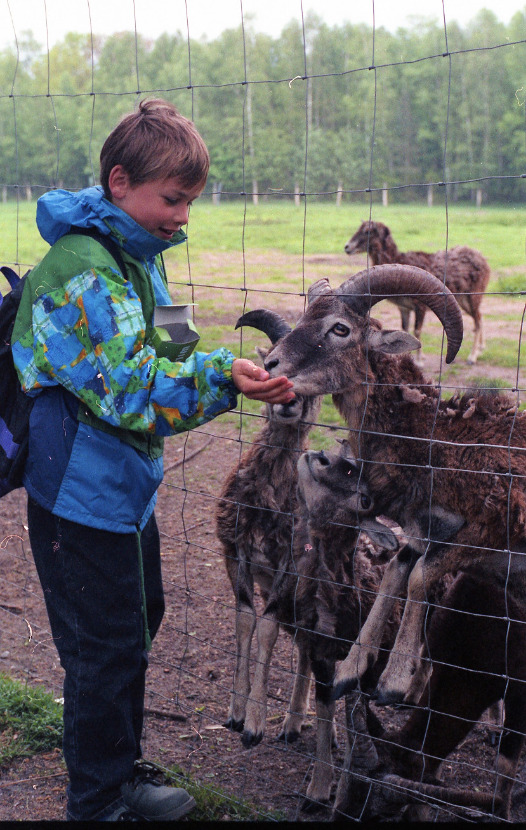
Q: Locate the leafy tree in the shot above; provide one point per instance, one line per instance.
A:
(318, 108)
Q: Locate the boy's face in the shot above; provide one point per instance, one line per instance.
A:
(159, 206)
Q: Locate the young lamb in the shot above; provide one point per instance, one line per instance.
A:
(465, 270)
(445, 471)
(477, 642)
(255, 525)
(336, 583)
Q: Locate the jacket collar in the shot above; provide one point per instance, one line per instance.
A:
(60, 210)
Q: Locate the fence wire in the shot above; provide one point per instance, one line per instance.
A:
(64, 102)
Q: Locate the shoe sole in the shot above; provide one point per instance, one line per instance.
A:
(182, 810)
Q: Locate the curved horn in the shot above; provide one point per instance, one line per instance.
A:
(383, 282)
(317, 289)
(269, 322)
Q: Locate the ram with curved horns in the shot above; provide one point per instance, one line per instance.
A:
(450, 473)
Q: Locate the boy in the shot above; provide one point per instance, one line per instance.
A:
(103, 401)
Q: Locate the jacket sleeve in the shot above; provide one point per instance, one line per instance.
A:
(90, 337)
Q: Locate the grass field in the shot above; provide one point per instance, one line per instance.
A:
(499, 232)
(241, 256)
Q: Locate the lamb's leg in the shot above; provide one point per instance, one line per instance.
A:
(256, 710)
(240, 576)
(404, 660)
(245, 625)
(291, 729)
(364, 653)
(361, 758)
(319, 789)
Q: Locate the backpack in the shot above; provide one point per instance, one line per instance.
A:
(15, 405)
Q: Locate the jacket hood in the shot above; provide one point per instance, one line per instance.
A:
(60, 210)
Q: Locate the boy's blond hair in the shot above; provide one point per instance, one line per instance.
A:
(155, 142)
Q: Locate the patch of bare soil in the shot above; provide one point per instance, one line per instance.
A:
(192, 661)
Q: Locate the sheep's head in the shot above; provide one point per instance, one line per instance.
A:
(331, 487)
(368, 236)
(327, 351)
(303, 408)
(330, 483)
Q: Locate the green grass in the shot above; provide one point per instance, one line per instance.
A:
(30, 720)
(226, 243)
(246, 256)
(499, 232)
(499, 351)
(215, 804)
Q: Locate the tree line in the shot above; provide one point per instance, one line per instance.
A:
(337, 111)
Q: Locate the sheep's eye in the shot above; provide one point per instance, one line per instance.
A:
(340, 330)
(366, 502)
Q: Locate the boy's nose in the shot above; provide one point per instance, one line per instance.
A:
(181, 214)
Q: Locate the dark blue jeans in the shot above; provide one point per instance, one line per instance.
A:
(92, 589)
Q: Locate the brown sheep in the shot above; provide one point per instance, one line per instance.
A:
(450, 473)
(465, 270)
(255, 525)
(477, 643)
(338, 574)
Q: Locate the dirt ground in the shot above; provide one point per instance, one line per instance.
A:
(192, 661)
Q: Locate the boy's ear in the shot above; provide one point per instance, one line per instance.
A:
(118, 182)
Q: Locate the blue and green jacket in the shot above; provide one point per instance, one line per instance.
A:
(104, 401)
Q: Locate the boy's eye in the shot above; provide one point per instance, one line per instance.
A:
(174, 202)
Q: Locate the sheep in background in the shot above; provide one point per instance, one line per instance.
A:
(465, 270)
(445, 471)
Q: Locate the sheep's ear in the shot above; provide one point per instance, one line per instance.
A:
(262, 352)
(392, 342)
(379, 534)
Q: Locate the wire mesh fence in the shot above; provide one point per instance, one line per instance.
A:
(333, 126)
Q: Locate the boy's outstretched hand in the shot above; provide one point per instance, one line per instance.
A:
(254, 383)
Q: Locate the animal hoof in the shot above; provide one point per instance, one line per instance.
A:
(311, 805)
(234, 725)
(387, 698)
(249, 739)
(342, 688)
(289, 737)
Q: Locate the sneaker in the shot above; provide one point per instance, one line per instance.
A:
(151, 799)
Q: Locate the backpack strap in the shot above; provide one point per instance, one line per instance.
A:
(106, 242)
(10, 275)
